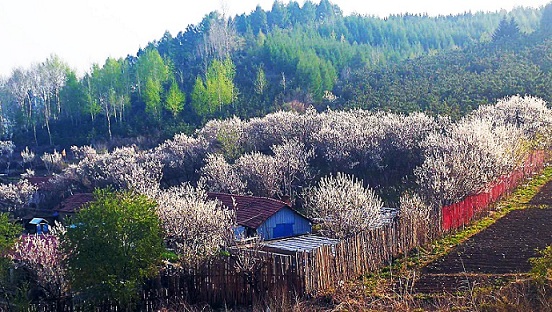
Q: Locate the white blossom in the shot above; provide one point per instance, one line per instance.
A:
(196, 228)
(224, 136)
(53, 162)
(27, 156)
(344, 206)
(16, 195)
(478, 150)
(6, 148)
(83, 152)
(6, 152)
(181, 157)
(220, 176)
(124, 168)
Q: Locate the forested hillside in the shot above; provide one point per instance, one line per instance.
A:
(287, 58)
(455, 82)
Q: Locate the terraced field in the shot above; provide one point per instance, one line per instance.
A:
(499, 253)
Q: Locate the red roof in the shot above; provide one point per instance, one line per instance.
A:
(38, 180)
(250, 211)
(42, 183)
(74, 202)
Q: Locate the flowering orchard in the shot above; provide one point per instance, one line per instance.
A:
(15, 196)
(287, 153)
(482, 147)
(339, 167)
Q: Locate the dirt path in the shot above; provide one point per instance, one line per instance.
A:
(498, 253)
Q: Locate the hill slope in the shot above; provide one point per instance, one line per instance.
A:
(257, 63)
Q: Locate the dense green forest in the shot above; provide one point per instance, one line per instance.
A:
(456, 82)
(287, 58)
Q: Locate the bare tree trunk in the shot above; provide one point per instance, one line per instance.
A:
(49, 133)
(138, 83)
(108, 125)
(34, 132)
(47, 115)
(58, 103)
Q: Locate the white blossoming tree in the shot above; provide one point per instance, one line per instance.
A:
(343, 205)
(6, 152)
(53, 162)
(15, 196)
(195, 227)
(181, 157)
(274, 175)
(220, 176)
(485, 145)
(125, 168)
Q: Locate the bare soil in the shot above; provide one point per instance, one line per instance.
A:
(498, 254)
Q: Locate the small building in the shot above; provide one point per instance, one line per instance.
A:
(72, 204)
(266, 217)
(38, 226)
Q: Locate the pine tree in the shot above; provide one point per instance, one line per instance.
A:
(507, 29)
(546, 19)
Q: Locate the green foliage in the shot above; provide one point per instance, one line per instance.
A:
(546, 19)
(9, 232)
(219, 84)
(93, 108)
(229, 140)
(151, 65)
(73, 97)
(278, 15)
(200, 101)
(175, 99)
(115, 242)
(152, 72)
(506, 30)
(152, 97)
(260, 81)
(453, 83)
(217, 90)
(258, 20)
(108, 91)
(308, 71)
(541, 269)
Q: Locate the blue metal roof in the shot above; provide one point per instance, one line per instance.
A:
(36, 221)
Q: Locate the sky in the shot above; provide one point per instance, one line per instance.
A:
(83, 32)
